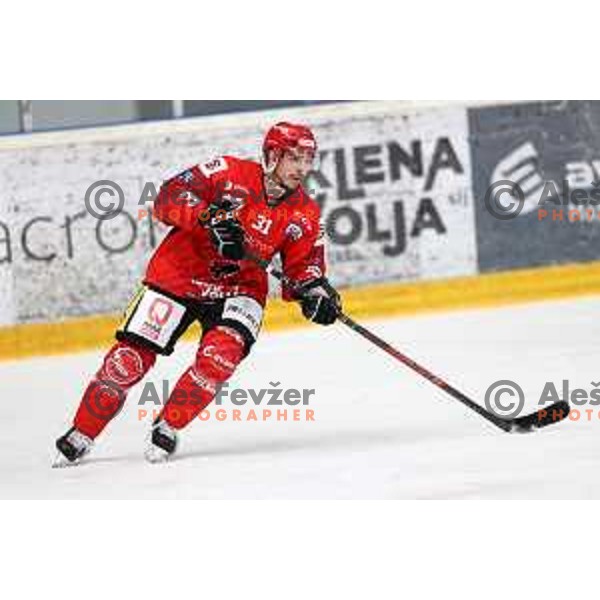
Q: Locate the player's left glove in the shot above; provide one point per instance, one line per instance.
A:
(320, 301)
(226, 233)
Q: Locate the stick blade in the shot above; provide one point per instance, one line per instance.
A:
(541, 418)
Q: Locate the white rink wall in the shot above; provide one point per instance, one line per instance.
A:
(402, 187)
(394, 184)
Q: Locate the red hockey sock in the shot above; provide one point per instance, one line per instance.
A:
(220, 351)
(124, 365)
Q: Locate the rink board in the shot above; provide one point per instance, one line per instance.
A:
(393, 183)
(401, 187)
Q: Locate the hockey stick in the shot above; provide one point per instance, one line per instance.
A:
(545, 416)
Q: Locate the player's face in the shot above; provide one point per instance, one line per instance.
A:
(294, 166)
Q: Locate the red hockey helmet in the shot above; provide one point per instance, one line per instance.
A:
(286, 136)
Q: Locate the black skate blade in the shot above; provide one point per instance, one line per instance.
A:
(541, 418)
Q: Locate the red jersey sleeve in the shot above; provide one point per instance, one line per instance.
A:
(182, 199)
(303, 252)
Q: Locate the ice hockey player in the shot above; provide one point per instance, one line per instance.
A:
(222, 213)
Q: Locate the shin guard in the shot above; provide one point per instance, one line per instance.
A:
(220, 351)
(124, 365)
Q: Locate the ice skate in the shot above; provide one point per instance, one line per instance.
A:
(72, 447)
(162, 442)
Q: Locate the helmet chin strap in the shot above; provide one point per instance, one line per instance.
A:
(269, 166)
(276, 190)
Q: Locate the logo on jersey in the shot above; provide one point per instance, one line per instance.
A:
(219, 271)
(186, 176)
(189, 198)
(213, 166)
(294, 231)
(160, 310)
(213, 291)
(158, 316)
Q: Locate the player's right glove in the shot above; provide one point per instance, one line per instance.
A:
(320, 301)
(226, 233)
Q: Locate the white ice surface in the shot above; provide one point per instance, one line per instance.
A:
(380, 431)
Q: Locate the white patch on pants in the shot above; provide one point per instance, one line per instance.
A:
(156, 318)
(246, 311)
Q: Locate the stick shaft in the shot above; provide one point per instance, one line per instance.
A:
(421, 370)
(395, 353)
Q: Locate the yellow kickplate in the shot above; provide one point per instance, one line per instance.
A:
(492, 289)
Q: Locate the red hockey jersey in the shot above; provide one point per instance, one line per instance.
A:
(187, 264)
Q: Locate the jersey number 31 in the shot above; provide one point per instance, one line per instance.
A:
(262, 224)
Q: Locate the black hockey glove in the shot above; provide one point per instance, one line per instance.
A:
(226, 233)
(320, 301)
